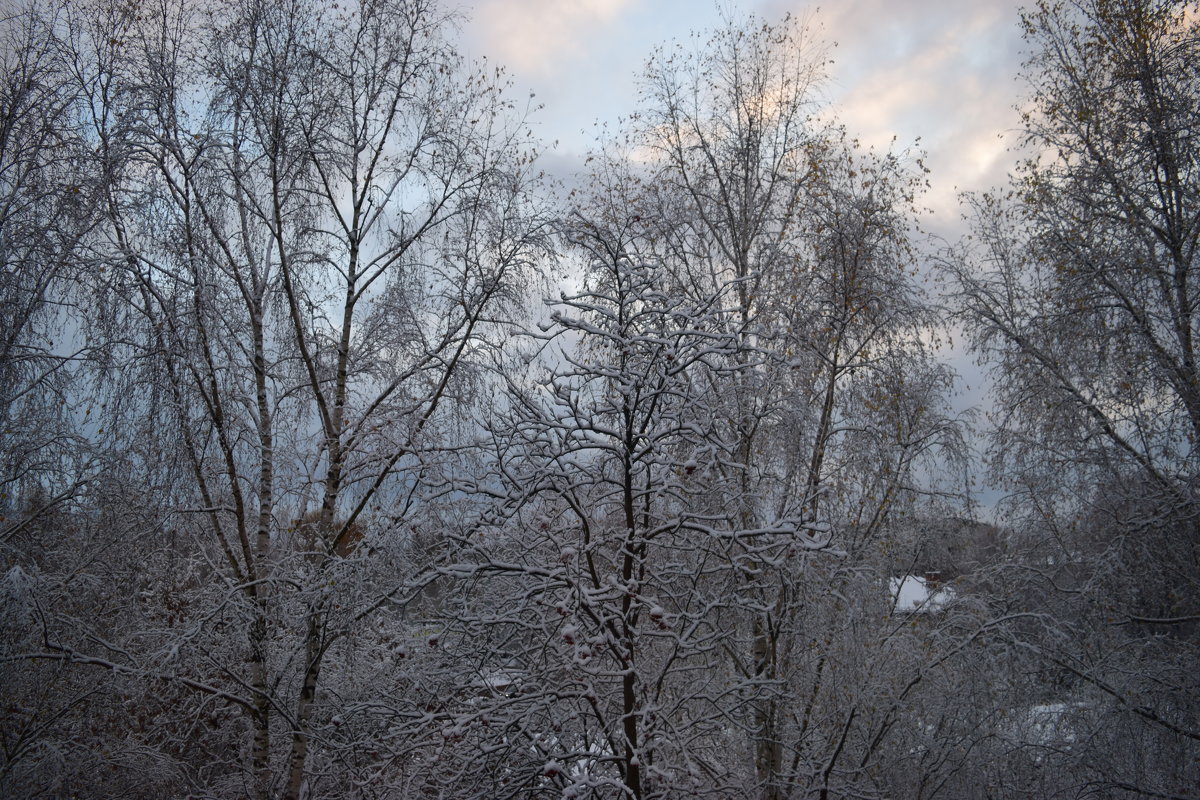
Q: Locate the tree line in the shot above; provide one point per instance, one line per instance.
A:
(345, 456)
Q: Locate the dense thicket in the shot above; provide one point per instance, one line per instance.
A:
(1081, 290)
(306, 493)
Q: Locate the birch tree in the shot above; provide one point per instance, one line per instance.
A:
(49, 470)
(833, 394)
(315, 218)
(743, 380)
(48, 206)
(1080, 291)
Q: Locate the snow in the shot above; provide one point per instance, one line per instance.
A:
(498, 680)
(912, 594)
(1052, 725)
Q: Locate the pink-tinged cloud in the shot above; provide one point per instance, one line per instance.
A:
(943, 71)
(536, 37)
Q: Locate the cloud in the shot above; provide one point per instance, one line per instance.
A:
(940, 70)
(943, 71)
(536, 36)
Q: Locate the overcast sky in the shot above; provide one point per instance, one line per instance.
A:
(941, 71)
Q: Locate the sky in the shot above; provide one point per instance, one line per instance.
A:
(938, 77)
(941, 71)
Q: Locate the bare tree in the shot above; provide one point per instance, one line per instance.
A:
(832, 397)
(48, 206)
(744, 378)
(49, 469)
(315, 218)
(1081, 292)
